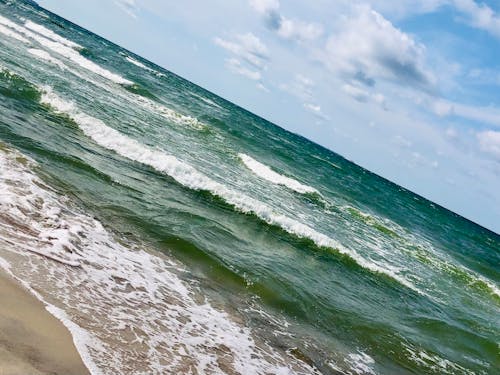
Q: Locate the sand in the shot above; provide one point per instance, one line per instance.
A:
(32, 341)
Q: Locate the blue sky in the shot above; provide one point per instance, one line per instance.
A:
(409, 89)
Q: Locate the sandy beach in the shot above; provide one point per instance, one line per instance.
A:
(32, 341)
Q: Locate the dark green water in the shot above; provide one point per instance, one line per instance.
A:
(319, 259)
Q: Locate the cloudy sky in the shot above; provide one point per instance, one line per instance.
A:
(409, 89)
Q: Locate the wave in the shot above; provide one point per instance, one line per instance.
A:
(127, 309)
(65, 51)
(326, 161)
(15, 86)
(10, 33)
(189, 177)
(206, 100)
(169, 113)
(142, 66)
(77, 58)
(44, 55)
(50, 34)
(268, 174)
(381, 225)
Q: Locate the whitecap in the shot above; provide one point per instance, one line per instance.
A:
(142, 66)
(50, 34)
(44, 55)
(268, 174)
(11, 33)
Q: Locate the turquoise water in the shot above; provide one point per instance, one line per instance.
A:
(321, 265)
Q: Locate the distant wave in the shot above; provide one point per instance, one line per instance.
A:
(169, 114)
(268, 174)
(142, 66)
(108, 294)
(50, 34)
(189, 177)
(206, 100)
(64, 50)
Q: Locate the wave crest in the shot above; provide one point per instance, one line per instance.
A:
(268, 174)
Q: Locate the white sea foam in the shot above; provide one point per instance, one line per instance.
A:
(75, 57)
(361, 363)
(268, 174)
(6, 22)
(44, 55)
(11, 33)
(435, 363)
(168, 113)
(127, 309)
(188, 176)
(206, 100)
(141, 65)
(65, 51)
(50, 34)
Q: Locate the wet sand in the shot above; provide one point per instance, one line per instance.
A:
(32, 341)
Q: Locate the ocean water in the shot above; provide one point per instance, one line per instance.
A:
(173, 232)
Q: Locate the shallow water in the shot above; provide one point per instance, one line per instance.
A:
(173, 231)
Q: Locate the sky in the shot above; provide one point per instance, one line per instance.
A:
(408, 89)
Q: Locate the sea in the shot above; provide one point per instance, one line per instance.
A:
(173, 232)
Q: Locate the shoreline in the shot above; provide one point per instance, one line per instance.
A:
(32, 340)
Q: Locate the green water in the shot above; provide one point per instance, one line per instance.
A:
(356, 276)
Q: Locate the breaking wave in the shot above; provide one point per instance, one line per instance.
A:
(64, 50)
(268, 174)
(118, 302)
(189, 177)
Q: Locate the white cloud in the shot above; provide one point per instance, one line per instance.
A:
(247, 47)
(404, 8)
(401, 141)
(286, 28)
(237, 67)
(265, 6)
(128, 6)
(315, 109)
(250, 56)
(301, 87)
(480, 15)
(482, 114)
(489, 142)
(261, 86)
(298, 30)
(356, 92)
(363, 95)
(369, 47)
(442, 108)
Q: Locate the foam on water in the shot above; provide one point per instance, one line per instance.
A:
(44, 55)
(65, 51)
(142, 66)
(268, 174)
(206, 100)
(435, 363)
(11, 33)
(169, 113)
(50, 34)
(127, 309)
(361, 363)
(188, 176)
